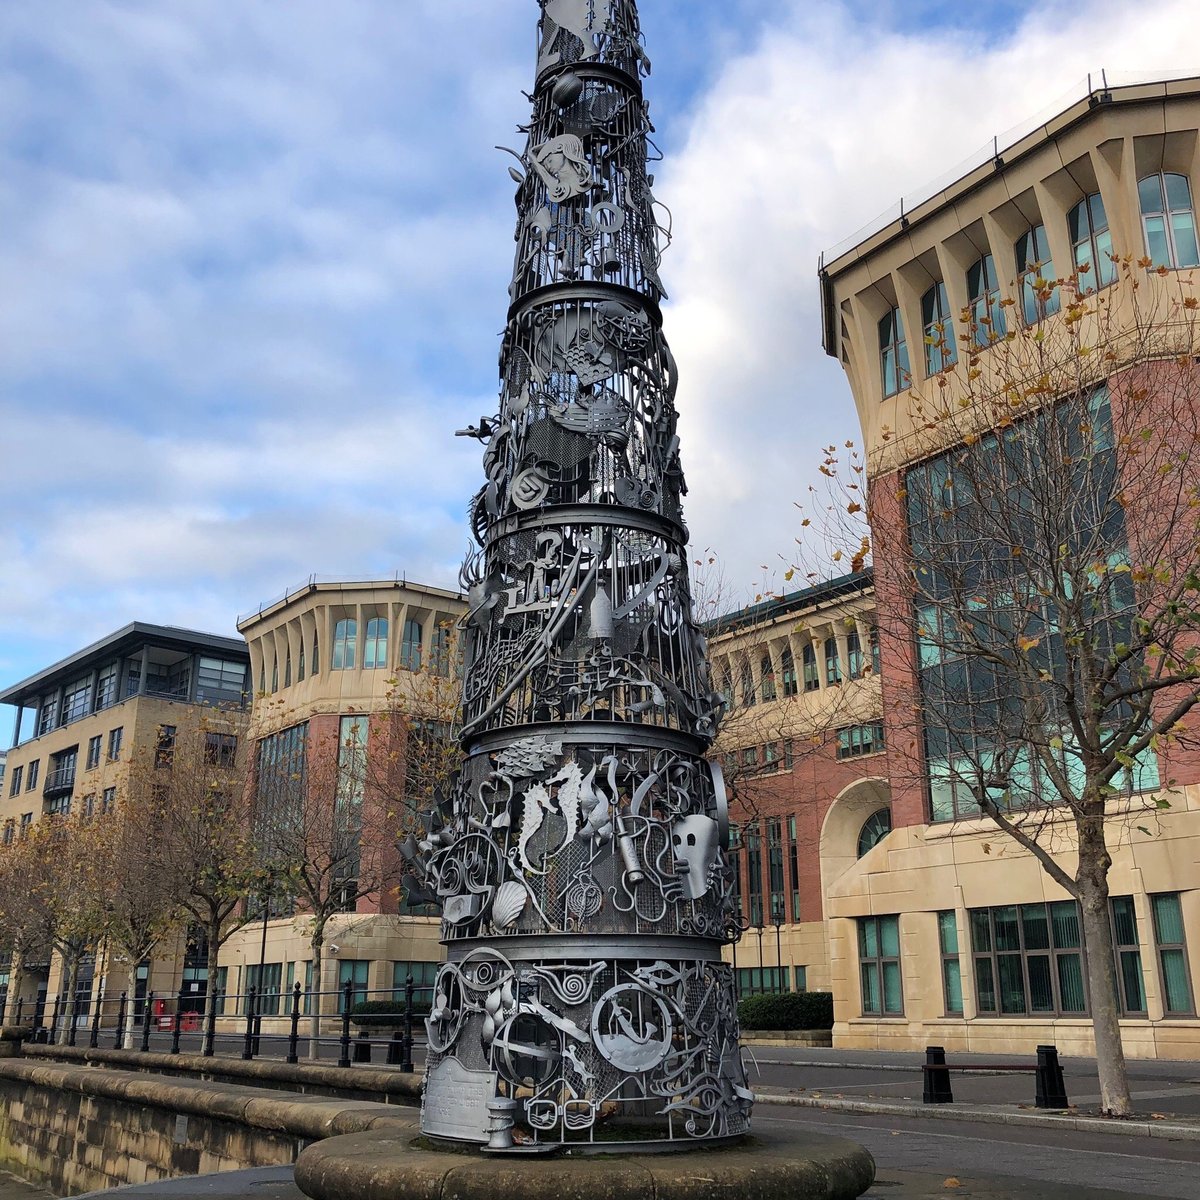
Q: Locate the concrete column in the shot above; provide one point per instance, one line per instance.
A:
(145, 670)
(1151, 971)
(863, 628)
(843, 650)
(93, 690)
(16, 737)
(966, 964)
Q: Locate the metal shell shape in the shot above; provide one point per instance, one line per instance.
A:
(508, 905)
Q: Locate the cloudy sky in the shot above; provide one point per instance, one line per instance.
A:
(254, 258)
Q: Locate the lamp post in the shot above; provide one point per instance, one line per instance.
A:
(759, 926)
(777, 921)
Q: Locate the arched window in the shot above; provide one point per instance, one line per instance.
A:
(287, 669)
(874, 650)
(787, 664)
(747, 681)
(1091, 242)
(316, 655)
(893, 353)
(300, 664)
(875, 828)
(726, 687)
(375, 648)
(983, 291)
(812, 681)
(345, 639)
(768, 678)
(274, 674)
(1168, 220)
(1035, 268)
(833, 667)
(940, 351)
(439, 652)
(410, 647)
(854, 655)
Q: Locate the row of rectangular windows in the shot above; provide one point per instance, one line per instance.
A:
(60, 806)
(344, 654)
(1169, 230)
(1027, 960)
(780, 885)
(853, 741)
(789, 685)
(62, 770)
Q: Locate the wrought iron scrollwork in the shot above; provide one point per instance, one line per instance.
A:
(581, 862)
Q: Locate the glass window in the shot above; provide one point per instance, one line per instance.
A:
(265, 979)
(767, 674)
(983, 291)
(316, 654)
(300, 664)
(1131, 991)
(93, 752)
(108, 800)
(220, 749)
(747, 684)
(754, 874)
(345, 639)
(410, 647)
(47, 715)
(32, 780)
(164, 748)
(812, 681)
(893, 353)
(354, 972)
(771, 756)
(15, 782)
(951, 968)
(1172, 954)
(439, 652)
(221, 681)
(758, 981)
(940, 351)
(375, 649)
(1028, 960)
(787, 665)
(794, 868)
(106, 686)
(1091, 242)
(833, 666)
(875, 828)
(857, 740)
(75, 700)
(854, 655)
(879, 966)
(287, 669)
(1035, 268)
(423, 976)
(775, 868)
(1168, 221)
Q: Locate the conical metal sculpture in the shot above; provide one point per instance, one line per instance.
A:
(581, 863)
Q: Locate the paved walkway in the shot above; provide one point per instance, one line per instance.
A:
(12, 1188)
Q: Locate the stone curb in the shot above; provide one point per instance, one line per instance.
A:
(393, 1085)
(989, 1116)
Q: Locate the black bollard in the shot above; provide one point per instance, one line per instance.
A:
(119, 1036)
(94, 1040)
(294, 1035)
(395, 1049)
(147, 1011)
(248, 1048)
(210, 1024)
(406, 1063)
(54, 1019)
(347, 1004)
(177, 1023)
(1051, 1086)
(937, 1082)
(362, 1047)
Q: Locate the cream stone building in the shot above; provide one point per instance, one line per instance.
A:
(945, 931)
(77, 726)
(334, 660)
(802, 751)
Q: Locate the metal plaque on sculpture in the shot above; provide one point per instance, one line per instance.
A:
(581, 860)
(456, 1100)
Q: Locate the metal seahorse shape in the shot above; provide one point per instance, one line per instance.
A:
(536, 802)
(570, 796)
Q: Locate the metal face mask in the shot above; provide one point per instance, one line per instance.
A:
(694, 841)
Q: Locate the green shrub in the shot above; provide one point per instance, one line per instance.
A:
(790, 1010)
(368, 1014)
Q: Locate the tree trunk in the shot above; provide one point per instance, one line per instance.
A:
(1092, 877)
(213, 933)
(317, 945)
(16, 977)
(131, 981)
(70, 976)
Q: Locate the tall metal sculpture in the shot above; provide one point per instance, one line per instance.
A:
(581, 863)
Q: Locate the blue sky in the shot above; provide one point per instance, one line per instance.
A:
(254, 261)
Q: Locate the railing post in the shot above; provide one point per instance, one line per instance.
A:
(147, 1016)
(54, 1019)
(178, 1021)
(406, 1063)
(248, 1048)
(937, 1081)
(74, 1018)
(347, 997)
(294, 1036)
(94, 1040)
(210, 1024)
(1051, 1086)
(119, 1036)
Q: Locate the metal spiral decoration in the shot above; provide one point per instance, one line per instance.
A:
(581, 863)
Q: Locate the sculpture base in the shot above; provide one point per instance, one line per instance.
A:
(375, 1166)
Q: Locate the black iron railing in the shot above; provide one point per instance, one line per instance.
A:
(232, 1023)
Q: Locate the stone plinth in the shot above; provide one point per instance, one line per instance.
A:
(395, 1166)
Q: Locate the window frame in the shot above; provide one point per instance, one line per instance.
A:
(344, 654)
(787, 669)
(1167, 215)
(375, 644)
(1102, 268)
(879, 962)
(833, 662)
(938, 330)
(1162, 947)
(1126, 950)
(985, 301)
(951, 961)
(1035, 308)
(894, 367)
(812, 676)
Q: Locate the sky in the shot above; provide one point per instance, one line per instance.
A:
(254, 261)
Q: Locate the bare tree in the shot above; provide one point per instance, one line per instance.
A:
(26, 922)
(1046, 549)
(189, 794)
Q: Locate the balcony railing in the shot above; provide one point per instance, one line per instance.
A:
(61, 779)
